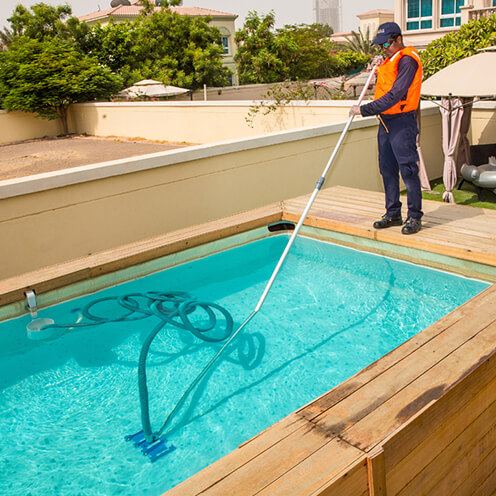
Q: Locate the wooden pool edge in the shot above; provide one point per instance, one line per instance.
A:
(417, 419)
(324, 216)
(112, 261)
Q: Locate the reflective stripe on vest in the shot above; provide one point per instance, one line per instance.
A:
(386, 76)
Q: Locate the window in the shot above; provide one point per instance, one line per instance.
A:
(450, 13)
(418, 14)
(225, 37)
(225, 44)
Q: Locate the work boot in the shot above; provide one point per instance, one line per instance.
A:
(388, 221)
(411, 226)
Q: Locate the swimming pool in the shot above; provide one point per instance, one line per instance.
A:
(68, 403)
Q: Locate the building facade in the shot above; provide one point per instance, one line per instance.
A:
(371, 20)
(128, 10)
(328, 12)
(423, 21)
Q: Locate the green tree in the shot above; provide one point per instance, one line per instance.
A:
(176, 49)
(46, 76)
(457, 45)
(313, 57)
(114, 45)
(40, 21)
(164, 45)
(180, 50)
(295, 52)
(262, 53)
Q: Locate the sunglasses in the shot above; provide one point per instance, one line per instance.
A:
(389, 42)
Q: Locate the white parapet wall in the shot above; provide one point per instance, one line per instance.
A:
(59, 216)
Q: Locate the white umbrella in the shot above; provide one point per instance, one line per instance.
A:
(151, 88)
(469, 77)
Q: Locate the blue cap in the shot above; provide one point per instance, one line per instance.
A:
(385, 32)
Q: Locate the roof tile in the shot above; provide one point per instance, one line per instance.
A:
(134, 10)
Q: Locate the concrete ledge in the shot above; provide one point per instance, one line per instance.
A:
(41, 182)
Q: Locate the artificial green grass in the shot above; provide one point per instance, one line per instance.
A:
(465, 196)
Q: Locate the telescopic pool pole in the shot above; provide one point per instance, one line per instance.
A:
(318, 187)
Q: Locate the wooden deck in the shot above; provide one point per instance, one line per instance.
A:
(454, 230)
(420, 420)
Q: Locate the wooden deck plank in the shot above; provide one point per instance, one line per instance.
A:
(320, 467)
(474, 228)
(469, 234)
(438, 427)
(226, 466)
(449, 234)
(328, 209)
(481, 484)
(430, 385)
(440, 476)
(279, 459)
(358, 405)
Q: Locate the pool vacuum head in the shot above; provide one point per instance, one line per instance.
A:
(154, 450)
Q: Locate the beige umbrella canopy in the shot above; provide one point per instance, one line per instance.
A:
(469, 77)
(152, 89)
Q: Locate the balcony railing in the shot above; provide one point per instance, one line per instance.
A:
(477, 14)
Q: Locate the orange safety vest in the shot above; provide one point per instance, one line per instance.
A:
(386, 76)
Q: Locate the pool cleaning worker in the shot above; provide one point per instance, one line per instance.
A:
(397, 97)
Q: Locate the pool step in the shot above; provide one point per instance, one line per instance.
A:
(154, 450)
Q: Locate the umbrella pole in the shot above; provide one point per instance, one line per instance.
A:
(450, 108)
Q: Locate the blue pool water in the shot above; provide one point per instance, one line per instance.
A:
(66, 404)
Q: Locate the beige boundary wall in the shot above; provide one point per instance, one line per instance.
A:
(59, 216)
(19, 126)
(205, 122)
(197, 122)
(483, 123)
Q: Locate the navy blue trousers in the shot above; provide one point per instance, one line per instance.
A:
(398, 154)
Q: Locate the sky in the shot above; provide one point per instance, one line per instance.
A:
(286, 12)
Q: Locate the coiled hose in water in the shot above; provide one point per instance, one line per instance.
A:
(174, 308)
